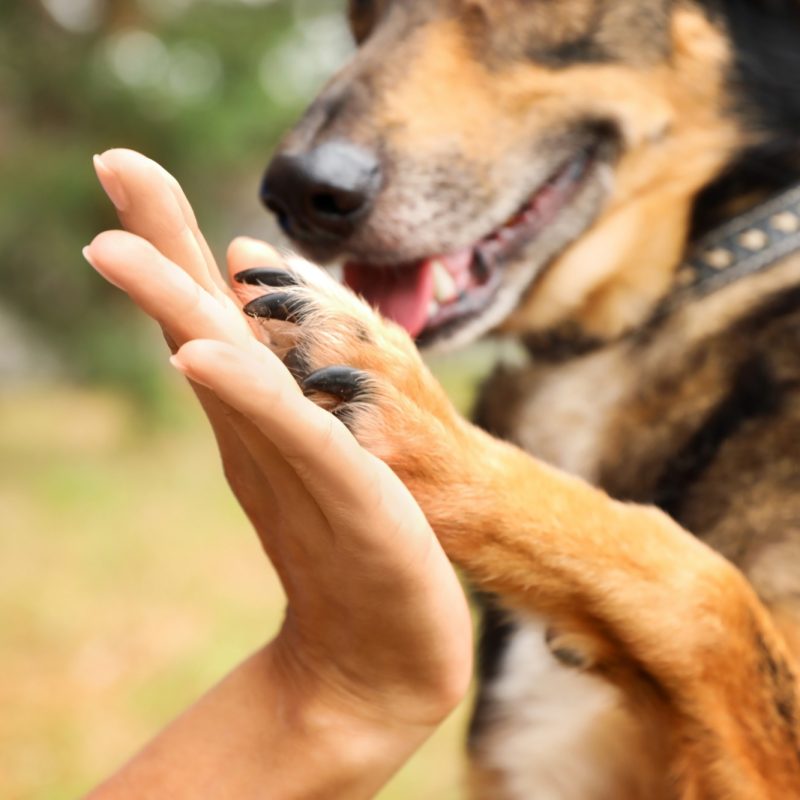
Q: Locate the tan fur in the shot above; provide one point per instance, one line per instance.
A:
(611, 277)
(697, 627)
(676, 138)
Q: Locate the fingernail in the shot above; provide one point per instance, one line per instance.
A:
(184, 370)
(111, 184)
(93, 264)
(178, 364)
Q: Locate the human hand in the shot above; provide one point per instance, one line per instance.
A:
(377, 627)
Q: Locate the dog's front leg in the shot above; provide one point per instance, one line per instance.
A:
(631, 594)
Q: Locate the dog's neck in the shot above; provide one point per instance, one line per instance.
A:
(761, 229)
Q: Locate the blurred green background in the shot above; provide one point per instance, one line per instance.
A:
(129, 580)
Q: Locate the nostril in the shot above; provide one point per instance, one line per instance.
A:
(326, 204)
(337, 204)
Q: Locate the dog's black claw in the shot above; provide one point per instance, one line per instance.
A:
(283, 306)
(265, 276)
(344, 383)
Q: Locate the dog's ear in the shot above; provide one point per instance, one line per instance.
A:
(765, 39)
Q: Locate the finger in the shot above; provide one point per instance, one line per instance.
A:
(191, 221)
(185, 310)
(327, 457)
(170, 296)
(243, 474)
(245, 253)
(364, 507)
(284, 508)
(151, 204)
(267, 489)
(164, 291)
(290, 496)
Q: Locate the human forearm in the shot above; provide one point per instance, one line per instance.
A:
(255, 735)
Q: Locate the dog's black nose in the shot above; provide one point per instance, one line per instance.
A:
(320, 196)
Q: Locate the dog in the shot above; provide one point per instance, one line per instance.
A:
(613, 183)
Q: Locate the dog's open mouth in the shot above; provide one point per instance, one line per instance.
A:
(442, 291)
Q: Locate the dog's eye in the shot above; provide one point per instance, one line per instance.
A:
(363, 15)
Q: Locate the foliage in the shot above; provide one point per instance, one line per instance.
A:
(204, 87)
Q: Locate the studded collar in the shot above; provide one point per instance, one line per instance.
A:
(752, 242)
(749, 243)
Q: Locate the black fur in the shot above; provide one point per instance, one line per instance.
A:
(753, 393)
(495, 634)
(765, 37)
(585, 50)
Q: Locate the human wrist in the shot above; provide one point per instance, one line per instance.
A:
(348, 748)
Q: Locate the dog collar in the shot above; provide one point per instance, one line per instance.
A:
(749, 243)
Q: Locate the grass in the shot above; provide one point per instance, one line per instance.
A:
(129, 583)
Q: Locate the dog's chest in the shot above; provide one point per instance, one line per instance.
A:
(565, 421)
(557, 733)
(564, 414)
(552, 732)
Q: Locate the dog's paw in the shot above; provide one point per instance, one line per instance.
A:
(358, 365)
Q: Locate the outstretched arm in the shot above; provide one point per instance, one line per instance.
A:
(375, 649)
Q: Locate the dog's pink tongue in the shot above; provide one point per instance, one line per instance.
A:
(402, 294)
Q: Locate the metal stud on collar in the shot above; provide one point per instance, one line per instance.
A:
(786, 222)
(718, 258)
(749, 243)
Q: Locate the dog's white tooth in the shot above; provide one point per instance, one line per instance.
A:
(444, 287)
(433, 309)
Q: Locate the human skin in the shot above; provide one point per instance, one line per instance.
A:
(358, 676)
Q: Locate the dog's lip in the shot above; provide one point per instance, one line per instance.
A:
(494, 252)
(434, 295)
